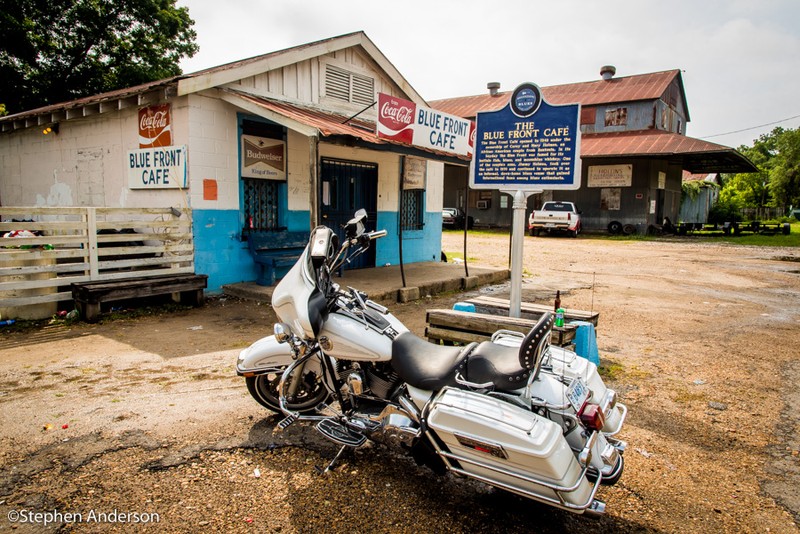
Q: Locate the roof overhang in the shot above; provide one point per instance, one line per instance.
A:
(333, 128)
(692, 154)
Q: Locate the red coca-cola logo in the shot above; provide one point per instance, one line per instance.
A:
(397, 113)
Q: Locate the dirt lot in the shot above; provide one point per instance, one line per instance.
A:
(145, 416)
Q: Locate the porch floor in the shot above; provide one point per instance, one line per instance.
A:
(385, 284)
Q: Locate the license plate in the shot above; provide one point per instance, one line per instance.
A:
(550, 225)
(577, 393)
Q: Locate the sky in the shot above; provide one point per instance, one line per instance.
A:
(740, 59)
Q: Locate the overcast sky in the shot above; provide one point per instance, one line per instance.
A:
(740, 58)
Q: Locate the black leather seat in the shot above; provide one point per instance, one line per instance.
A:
(424, 365)
(508, 368)
(495, 364)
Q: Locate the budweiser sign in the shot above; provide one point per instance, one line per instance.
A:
(405, 122)
(263, 157)
(155, 129)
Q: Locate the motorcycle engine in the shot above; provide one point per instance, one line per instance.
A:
(378, 378)
(382, 379)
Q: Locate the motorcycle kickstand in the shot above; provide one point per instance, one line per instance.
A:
(332, 463)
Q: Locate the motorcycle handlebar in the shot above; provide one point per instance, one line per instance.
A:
(376, 234)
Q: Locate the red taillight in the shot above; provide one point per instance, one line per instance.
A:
(592, 416)
(569, 216)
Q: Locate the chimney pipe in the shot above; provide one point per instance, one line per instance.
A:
(608, 72)
(493, 88)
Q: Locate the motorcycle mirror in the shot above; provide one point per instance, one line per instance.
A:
(355, 226)
(283, 332)
(323, 245)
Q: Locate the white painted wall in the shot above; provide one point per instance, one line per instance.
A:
(213, 151)
(298, 155)
(83, 165)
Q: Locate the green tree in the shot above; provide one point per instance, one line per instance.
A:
(777, 182)
(784, 173)
(59, 50)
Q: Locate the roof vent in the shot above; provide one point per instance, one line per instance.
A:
(608, 72)
(493, 88)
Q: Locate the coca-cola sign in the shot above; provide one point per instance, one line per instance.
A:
(155, 128)
(396, 118)
(405, 122)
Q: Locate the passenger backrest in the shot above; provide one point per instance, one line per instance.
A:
(535, 343)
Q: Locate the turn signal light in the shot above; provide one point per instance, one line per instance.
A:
(592, 417)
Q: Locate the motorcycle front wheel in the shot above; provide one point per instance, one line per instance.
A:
(308, 395)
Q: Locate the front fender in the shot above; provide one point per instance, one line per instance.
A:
(264, 355)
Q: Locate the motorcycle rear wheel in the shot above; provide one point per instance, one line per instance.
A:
(309, 394)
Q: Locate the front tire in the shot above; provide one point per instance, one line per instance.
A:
(264, 389)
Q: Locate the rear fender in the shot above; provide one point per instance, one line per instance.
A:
(263, 356)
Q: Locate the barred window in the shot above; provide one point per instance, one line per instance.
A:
(412, 215)
(260, 204)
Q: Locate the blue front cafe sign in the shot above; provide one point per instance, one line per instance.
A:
(529, 145)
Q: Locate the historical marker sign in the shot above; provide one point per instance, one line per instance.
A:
(529, 145)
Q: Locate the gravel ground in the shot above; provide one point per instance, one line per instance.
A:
(142, 416)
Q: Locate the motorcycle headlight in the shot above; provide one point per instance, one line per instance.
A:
(283, 332)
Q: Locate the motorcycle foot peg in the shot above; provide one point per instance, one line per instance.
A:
(338, 433)
(285, 423)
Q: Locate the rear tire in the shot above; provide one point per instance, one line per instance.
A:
(309, 394)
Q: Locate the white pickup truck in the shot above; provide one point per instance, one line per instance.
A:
(555, 216)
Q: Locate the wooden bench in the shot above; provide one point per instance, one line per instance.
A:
(89, 295)
(273, 250)
(460, 327)
(529, 310)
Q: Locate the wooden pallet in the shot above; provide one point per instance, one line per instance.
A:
(459, 327)
(529, 310)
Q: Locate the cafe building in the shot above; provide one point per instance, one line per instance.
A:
(274, 144)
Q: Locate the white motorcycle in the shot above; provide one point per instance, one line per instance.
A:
(514, 412)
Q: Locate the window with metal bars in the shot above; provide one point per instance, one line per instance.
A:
(348, 86)
(412, 214)
(261, 199)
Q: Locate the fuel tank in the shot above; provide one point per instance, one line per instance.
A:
(360, 336)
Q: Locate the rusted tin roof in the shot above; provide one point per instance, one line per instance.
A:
(650, 86)
(696, 155)
(332, 125)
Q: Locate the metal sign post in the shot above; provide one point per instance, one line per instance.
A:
(517, 249)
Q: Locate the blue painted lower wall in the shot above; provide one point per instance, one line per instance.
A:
(223, 256)
(418, 245)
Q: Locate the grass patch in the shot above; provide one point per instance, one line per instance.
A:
(610, 370)
(689, 397)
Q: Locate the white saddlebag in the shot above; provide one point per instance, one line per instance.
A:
(509, 447)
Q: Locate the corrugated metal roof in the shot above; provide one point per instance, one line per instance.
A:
(696, 155)
(330, 125)
(624, 89)
(644, 143)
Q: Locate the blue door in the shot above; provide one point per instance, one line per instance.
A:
(348, 186)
